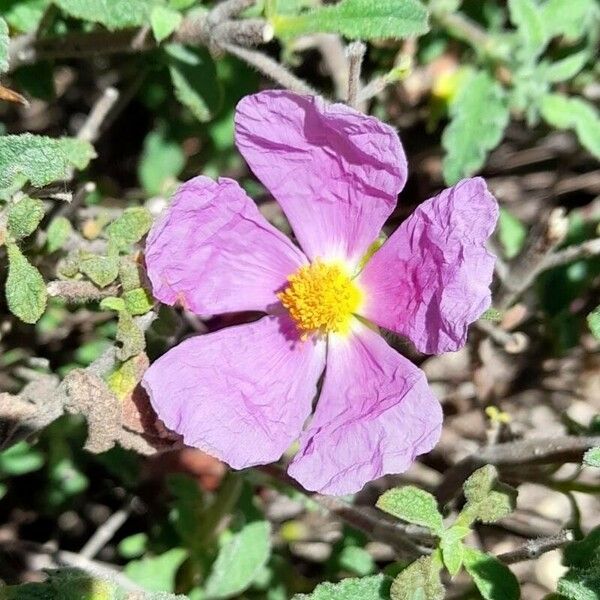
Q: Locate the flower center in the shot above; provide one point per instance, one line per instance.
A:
(321, 298)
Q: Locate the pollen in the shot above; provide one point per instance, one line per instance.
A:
(321, 298)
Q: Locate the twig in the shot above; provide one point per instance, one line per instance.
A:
(269, 67)
(80, 291)
(587, 249)
(543, 239)
(522, 452)
(90, 131)
(465, 29)
(106, 532)
(356, 53)
(532, 549)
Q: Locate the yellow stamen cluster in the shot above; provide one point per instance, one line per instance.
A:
(321, 298)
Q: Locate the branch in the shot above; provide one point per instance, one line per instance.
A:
(587, 249)
(523, 452)
(533, 549)
(356, 53)
(91, 129)
(80, 291)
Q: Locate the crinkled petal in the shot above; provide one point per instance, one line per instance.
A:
(376, 413)
(335, 172)
(214, 252)
(432, 278)
(241, 394)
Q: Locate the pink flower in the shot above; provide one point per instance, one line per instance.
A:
(244, 393)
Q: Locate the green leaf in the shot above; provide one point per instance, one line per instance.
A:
(102, 270)
(574, 113)
(414, 505)
(511, 233)
(356, 560)
(592, 457)
(582, 580)
(24, 216)
(112, 303)
(492, 314)
(239, 561)
(130, 337)
(161, 162)
(4, 39)
(488, 499)
(479, 115)
(157, 573)
(593, 321)
(39, 159)
(138, 301)
(566, 68)
(133, 546)
(567, 18)
(357, 19)
(367, 588)
(24, 15)
(130, 227)
(164, 22)
(19, 460)
(25, 289)
(194, 80)
(113, 14)
(526, 16)
(58, 233)
(452, 547)
(494, 580)
(420, 580)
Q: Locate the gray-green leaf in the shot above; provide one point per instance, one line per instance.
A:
(164, 22)
(593, 321)
(157, 573)
(58, 233)
(582, 581)
(39, 159)
(194, 79)
(364, 19)
(368, 588)
(356, 560)
(3, 46)
(25, 289)
(566, 68)
(526, 16)
(452, 547)
(488, 499)
(129, 336)
(592, 457)
(421, 579)
(24, 216)
(113, 14)
(414, 505)
(239, 561)
(162, 161)
(102, 270)
(569, 18)
(130, 227)
(494, 580)
(479, 115)
(511, 233)
(574, 113)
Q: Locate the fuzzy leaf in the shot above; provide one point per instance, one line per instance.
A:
(511, 233)
(58, 233)
(593, 321)
(25, 15)
(113, 14)
(421, 579)
(592, 457)
(567, 18)
(130, 227)
(414, 505)
(195, 80)
(24, 217)
(3, 46)
(239, 561)
(574, 113)
(582, 580)
(129, 336)
(102, 270)
(368, 588)
(162, 161)
(494, 580)
(157, 573)
(452, 547)
(526, 16)
(479, 114)
(356, 560)
(357, 19)
(25, 289)
(39, 159)
(566, 68)
(138, 301)
(164, 22)
(488, 499)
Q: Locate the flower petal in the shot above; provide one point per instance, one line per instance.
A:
(376, 413)
(432, 278)
(241, 394)
(336, 172)
(214, 252)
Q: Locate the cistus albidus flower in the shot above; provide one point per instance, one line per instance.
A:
(243, 394)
